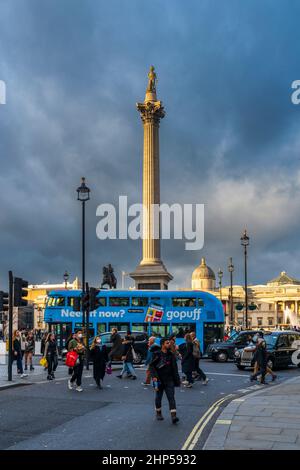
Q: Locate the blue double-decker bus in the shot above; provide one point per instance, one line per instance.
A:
(158, 313)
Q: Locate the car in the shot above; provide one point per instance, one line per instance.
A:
(224, 350)
(281, 345)
(140, 345)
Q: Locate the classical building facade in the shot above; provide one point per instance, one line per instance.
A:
(276, 303)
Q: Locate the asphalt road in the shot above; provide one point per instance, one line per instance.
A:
(121, 416)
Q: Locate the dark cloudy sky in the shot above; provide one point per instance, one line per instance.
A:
(74, 70)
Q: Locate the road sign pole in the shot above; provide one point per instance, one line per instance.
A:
(10, 325)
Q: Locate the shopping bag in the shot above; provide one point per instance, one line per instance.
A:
(108, 370)
(43, 362)
(71, 358)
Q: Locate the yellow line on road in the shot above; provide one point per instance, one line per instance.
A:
(195, 434)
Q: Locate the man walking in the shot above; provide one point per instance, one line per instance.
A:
(164, 373)
(151, 348)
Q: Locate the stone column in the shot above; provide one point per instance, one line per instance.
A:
(151, 272)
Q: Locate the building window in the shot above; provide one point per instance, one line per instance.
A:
(270, 321)
(270, 307)
(259, 321)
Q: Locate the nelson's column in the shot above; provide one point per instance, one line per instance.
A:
(151, 272)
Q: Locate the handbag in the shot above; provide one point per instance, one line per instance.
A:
(71, 358)
(44, 362)
(134, 356)
(108, 370)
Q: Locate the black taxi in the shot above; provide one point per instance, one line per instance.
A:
(283, 349)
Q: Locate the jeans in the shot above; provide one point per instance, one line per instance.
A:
(77, 374)
(128, 367)
(169, 389)
(198, 370)
(19, 363)
(52, 363)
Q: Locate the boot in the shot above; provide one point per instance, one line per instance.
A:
(26, 367)
(174, 417)
(159, 416)
(31, 367)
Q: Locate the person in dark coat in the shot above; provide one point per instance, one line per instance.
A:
(117, 347)
(127, 357)
(99, 356)
(164, 373)
(51, 354)
(17, 352)
(261, 359)
(187, 361)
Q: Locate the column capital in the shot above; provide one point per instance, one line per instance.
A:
(151, 111)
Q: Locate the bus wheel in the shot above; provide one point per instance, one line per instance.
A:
(222, 357)
(138, 358)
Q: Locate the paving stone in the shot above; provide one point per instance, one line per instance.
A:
(273, 437)
(278, 446)
(247, 444)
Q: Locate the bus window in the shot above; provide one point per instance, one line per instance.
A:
(119, 326)
(71, 300)
(200, 303)
(143, 327)
(139, 301)
(101, 328)
(180, 329)
(181, 302)
(119, 301)
(101, 301)
(56, 302)
(161, 330)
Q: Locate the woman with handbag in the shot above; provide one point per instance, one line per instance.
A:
(51, 355)
(127, 358)
(17, 352)
(197, 356)
(77, 345)
(99, 356)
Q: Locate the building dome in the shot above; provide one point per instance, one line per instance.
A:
(203, 277)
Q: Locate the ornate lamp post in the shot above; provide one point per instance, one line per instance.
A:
(245, 242)
(83, 195)
(66, 278)
(231, 269)
(220, 275)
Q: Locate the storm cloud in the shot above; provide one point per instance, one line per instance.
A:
(75, 69)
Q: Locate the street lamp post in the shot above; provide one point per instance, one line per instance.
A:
(83, 195)
(220, 275)
(245, 242)
(66, 278)
(231, 269)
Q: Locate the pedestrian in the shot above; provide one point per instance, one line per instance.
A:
(200, 375)
(164, 373)
(187, 361)
(99, 356)
(51, 354)
(261, 360)
(152, 347)
(29, 350)
(23, 342)
(17, 352)
(71, 336)
(76, 344)
(173, 347)
(127, 357)
(117, 346)
(43, 343)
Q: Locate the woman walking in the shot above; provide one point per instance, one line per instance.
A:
(200, 375)
(29, 350)
(127, 357)
(76, 344)
(187, 361)
(51, 354)
(17, 352)
(99, 356)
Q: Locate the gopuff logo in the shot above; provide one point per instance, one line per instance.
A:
(2, 92)
(296, 354)
(183, 314)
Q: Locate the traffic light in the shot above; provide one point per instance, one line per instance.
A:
(94, 301)
(77, 304)
(85, 302)
(20, 292)
(3, 301)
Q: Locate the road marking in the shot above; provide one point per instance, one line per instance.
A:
(223, 421)
(193, 437)
(229, 375)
